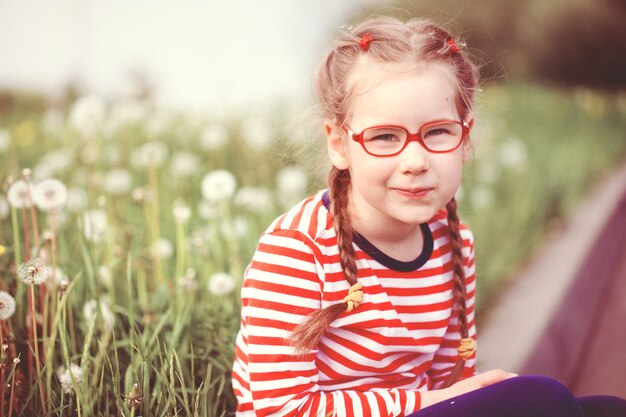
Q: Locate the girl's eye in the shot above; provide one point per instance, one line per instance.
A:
(436, 131)
(387, 137)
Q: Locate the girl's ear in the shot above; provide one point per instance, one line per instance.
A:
(335, 146)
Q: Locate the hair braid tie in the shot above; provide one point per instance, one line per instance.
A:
(354, 297)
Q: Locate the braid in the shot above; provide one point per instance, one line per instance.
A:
(459, 288)
(308, 333)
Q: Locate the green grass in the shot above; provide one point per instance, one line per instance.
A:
(536, 153)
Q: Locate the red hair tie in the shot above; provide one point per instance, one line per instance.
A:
(365, 41)
(453, 46)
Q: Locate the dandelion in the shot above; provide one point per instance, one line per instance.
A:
(7, 305)
(104, 275)
(237, 227)
(118, 181)
(291, 182)
(5, 210)
(208, 210)
(87, 115)
(162, 248)
(53, 277)
(50, 194)
(188, 281)
(32, 272)
(214, 137)
(90, 310)
(70, 377)
(20, 195)
(94, 225)
(513, 153)
(150, 154)
(181, 212)
(257, 134)
(76, 199)
(52, 163)
(184, 164)
(221, 283)
(254, 199)
(218, 185)
(5, 140)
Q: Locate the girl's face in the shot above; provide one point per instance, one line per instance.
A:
(408, 188)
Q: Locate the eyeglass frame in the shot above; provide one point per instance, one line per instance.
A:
(410, 137)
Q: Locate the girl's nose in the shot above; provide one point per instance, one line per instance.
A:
(414, 158)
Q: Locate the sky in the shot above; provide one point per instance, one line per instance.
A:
(193, 54)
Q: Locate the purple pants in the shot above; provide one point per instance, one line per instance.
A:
(526, 396)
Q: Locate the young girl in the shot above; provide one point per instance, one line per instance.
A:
(359, 301)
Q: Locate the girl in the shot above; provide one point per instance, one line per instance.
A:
(359, 301)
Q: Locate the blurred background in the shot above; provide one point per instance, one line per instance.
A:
(179, 130)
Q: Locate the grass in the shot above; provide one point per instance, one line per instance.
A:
(152, 333)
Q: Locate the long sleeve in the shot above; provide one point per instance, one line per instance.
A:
(447, 356)
(284, 283)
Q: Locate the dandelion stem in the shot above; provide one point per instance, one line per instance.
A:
(36, 345)
(154, 219)
(12, 390)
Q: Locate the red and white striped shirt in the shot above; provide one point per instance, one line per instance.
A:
(373, 361)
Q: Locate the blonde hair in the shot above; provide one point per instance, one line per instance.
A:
(417, 42)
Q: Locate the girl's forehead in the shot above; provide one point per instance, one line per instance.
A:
(379, 89)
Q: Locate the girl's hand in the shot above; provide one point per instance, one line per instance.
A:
(470, 384)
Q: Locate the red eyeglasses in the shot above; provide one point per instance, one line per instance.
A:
(389, 140)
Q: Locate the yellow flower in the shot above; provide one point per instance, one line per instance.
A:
(3, 250)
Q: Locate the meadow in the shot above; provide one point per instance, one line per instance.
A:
(125, 230)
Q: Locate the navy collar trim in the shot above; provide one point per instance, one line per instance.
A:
(387, 260)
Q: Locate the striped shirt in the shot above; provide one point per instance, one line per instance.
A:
(372, 361)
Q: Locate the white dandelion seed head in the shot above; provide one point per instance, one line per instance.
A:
(218, 185)
(117, 181)
(91, 311)
(513, 154)
(70, 377)
(181, 212)
(32, 272)
(7, 305)
(257, 133)
(184, 164)
(149, 154)
(188, 283)
(221, 283)
(162, 248)
(292, 181)
(94, 225)
(104, 275)
(254, 199)
(52, 164)
(54, 277)
(76, 199)
(214, 137)
(20, 194)
(5, 140)
(208, 210)
(87, 115)
(50, 194)
(5, 210)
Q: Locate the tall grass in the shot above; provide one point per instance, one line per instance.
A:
(145, 320)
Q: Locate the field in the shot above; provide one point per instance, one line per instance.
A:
(127, 269)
